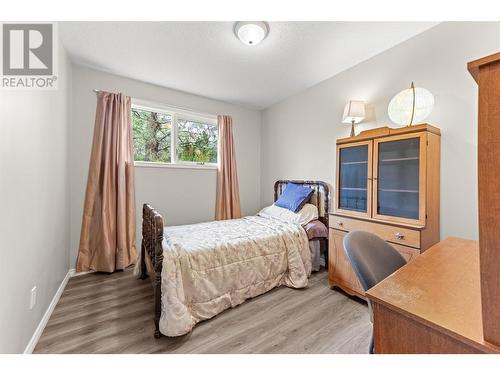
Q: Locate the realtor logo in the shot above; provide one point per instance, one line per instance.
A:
(28, 56)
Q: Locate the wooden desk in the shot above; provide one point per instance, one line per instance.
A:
(433, 304)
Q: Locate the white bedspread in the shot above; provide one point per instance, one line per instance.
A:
(209, 267)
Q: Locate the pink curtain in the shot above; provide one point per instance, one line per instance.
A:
(107, 240)
(227, 203)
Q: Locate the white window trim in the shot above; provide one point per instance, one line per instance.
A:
(152, 164)
(176, 113)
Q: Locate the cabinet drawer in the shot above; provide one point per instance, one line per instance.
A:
(398, 235)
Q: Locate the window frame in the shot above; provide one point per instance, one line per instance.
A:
(176, 113)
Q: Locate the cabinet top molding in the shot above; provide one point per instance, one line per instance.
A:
(473, 66)
(386, 131)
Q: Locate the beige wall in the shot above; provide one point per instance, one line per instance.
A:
(298, 134)
(182, 195)
(34, 204)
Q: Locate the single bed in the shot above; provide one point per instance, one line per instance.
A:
(203, 269)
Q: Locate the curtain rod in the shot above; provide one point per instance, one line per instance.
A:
(168, 105)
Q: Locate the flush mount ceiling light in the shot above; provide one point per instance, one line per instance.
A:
(251, 33)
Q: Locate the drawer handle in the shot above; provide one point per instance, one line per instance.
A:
(339, 223)
(399, 236)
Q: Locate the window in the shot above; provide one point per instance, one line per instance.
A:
(196, 141)
(173, 137)
(152, 135)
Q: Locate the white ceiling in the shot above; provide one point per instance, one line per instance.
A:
(205, 58)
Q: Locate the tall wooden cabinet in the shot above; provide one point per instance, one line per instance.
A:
(387, 183)
(486, 72)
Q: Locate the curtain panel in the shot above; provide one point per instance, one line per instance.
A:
(107, 240)
(227, 204)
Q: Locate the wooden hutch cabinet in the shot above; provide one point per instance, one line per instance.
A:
(387, 183)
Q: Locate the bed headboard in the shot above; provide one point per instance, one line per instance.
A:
(320, 197)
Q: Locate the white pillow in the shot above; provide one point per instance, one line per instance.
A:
(306, 214)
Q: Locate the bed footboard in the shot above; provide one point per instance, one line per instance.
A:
(151, 247)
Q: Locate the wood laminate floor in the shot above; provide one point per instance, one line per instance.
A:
(101, 313)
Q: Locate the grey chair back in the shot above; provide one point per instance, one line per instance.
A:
(371, 257)
(373, 260)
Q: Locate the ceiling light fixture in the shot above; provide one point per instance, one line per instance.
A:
(251, 33)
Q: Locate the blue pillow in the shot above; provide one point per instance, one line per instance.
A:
(294, 197)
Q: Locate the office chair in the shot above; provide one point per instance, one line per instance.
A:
(372, 259)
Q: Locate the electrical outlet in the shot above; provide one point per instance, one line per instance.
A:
(33, 297)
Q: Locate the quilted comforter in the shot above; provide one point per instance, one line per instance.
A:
(209, 267)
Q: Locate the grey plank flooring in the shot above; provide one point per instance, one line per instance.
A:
(100, 313)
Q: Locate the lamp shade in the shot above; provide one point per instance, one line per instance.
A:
(354, 111)
(411, 106)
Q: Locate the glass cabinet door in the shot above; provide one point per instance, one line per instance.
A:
(354, 172)
(397, 178)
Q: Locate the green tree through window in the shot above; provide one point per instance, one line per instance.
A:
(196, 141)
(152, 132)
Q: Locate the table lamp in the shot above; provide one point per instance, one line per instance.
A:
(354, 113)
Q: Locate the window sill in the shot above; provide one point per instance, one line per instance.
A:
(150, 164)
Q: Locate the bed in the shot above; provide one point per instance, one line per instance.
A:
(200, 270)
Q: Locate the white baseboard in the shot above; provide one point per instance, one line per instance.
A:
(73, 273)
(41, 326)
